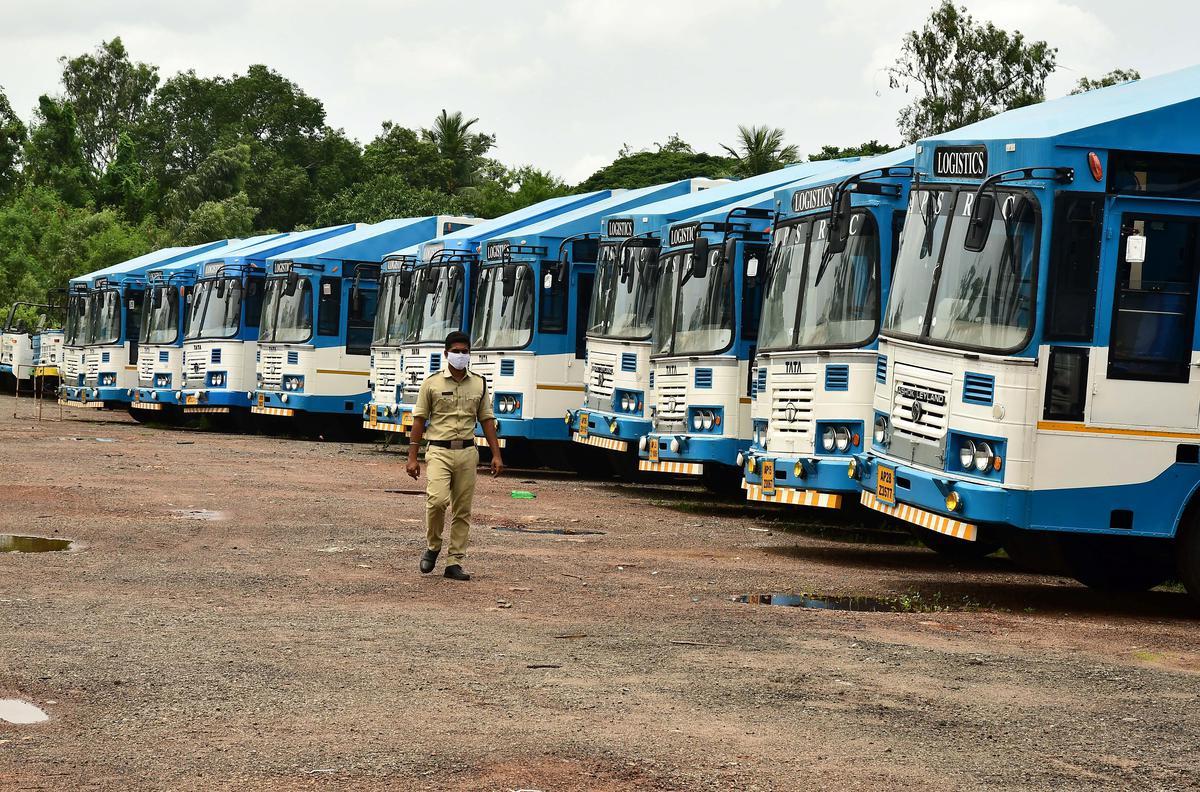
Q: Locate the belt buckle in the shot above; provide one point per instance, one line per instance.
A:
(457, 445)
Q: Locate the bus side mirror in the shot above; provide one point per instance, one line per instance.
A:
(700, 257)
(355, 299)
(221, 288)
(404, 282)
(980, 223)
(839, 231)
(156, 299)
(508, 279)
(730, 250)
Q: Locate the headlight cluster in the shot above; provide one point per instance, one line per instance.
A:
(508, 404)
(883, 430)
(759, 435)
(705, 420)
(162, 380)
(627, 402)
(217, 379)
(976, 454)
(839, 438)
(108, 380)
(293, 382)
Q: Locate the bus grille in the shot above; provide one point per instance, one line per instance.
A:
(920, 403)
(195, 367)
(671, 398)
(792, 405)
(272, 367)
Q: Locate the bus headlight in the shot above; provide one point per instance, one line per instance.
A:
(881, 429)
(706, 419)
(675, 445)
(842, 438)
(953, 501)
(966, 454)
(828, 438)
(983, 457)
(642, 443)
(697, 422)
(293, 382)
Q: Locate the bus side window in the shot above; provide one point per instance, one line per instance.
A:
(329, 307)
(360, 321)
(1154, 307)
(552, 305)
(1074, 265)
(752, 291)
(254, 301)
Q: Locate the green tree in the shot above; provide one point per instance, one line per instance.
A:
(223, 219)
(966, 71)
(670, 161)
(383, 198)
(1114, 77)
(12, 139)
(126, 185)
(760, 149)
(462, 149)
(110, 95)
(871, 148)
(507, 190)
(53, 153)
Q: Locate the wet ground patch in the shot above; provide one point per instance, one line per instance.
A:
(556, 531)
(21, 712)
(913, 602)
(12, 543)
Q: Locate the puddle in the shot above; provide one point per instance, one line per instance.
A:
(198, 514)
(871, 604)
(558, 531)
(17, 711)
(10, 543)
(405, 491)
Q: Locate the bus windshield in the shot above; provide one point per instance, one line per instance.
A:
(390, 324)
(437, 303)
(502, 322)
(839, 304)
(664, 318)
(160, 316)
(981, 299)
(105, 316)
(694, 315)
(77, 320)
(623, 295)
(781, 299)
(287, 316)
(216, 309)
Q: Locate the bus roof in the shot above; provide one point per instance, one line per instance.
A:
(471, 237)
(1152, 114)
(844, 169)
(260, 249)
(368, 242)
(145, 262)
(586, 219)
(657, 215)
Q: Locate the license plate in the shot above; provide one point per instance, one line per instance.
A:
(583, 424)
(768, 477)
(653, 446)
(374, 414)
(192, 398)
(262, 400)
(885, 485)
(407, 420)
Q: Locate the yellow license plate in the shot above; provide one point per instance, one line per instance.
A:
(192, 398)
(885, 485)
(373, 414)
(407, 420)
(653, 446)
(583, 424)
(768, 477)
(262, 400)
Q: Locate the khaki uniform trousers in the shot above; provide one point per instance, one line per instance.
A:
(450, 483)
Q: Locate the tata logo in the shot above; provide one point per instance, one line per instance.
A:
(791, 367)
(960, 162)
(816, 198)
(921, 395)
(683, 234)
(497, 250)
(621, 227)
(670, 369)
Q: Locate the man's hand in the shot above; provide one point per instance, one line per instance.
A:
(497, 465)
(414, 468)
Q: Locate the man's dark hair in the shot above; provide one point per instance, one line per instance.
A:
(457, 336)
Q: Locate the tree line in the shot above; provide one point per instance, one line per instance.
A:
(118, 161)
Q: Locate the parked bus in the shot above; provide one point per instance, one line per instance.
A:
(827, 279)
(428, 295)
(220, 347)
(1038, 364)
(531, 310)
(30, 343)
(104, 311)
(315, 337)
(615, 411)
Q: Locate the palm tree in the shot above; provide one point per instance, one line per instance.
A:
(460, 147)
(760, 149)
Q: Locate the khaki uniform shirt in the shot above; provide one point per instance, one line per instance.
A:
(451, 408)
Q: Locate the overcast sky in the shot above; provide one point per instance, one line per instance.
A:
(563, 85)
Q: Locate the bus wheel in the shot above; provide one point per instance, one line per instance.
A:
(722, 479)
(952, 547)
(1188, 560)
(1117, 564)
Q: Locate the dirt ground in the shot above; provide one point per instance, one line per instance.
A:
(245, 612)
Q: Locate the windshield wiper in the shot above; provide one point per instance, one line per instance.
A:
(928, 215)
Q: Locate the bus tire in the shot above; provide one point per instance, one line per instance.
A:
(1187, 558)
(952, 547)
(1117, 564)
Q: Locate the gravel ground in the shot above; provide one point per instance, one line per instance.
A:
(245, 612)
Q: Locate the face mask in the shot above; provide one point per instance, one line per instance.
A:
(459, 360)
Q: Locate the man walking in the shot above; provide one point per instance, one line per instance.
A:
(449, 404)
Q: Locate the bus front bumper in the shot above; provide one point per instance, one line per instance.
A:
(94, 396)
(655, 455)
(799, 480)
(388, 417)
(606, 430)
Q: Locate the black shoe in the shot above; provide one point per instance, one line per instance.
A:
(428, 559)
(455, 572)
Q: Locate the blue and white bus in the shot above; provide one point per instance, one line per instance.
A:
(617, 400)
(428, 295)
(1039, 360)
(532, 303)
(826, 281)
(220, 347)
(315, 336)
(31, 351)
(104, 309)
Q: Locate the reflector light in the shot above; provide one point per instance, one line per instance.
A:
(1095, 167)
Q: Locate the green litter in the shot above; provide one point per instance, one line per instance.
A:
(523, 495)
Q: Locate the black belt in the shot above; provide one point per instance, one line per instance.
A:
(453, 445)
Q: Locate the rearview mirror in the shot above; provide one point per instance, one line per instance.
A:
(221, 288)
(404, 282)
(428, 285)
(355, 298)
(730, 250)
(980, 223)
(839, 231)
(700, 251)
(508, 279)
(156, 298)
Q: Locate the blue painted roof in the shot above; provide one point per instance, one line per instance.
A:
(1152, 114)
(145, 262)
(655, 216)
(844, 169)
(368, 242)
(260, 249)
(586, 219)
(196, 259)
(472, 236)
